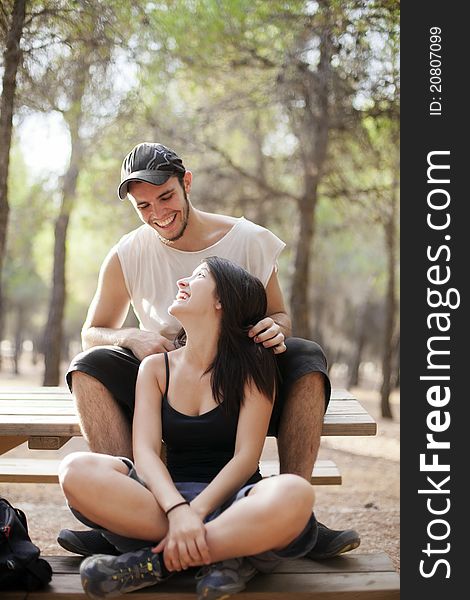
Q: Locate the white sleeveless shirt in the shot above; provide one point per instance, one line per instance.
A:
(152, 268)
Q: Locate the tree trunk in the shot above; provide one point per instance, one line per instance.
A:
(54, 328)
(18, 349)
(53, 337)
(300, 304)
(361, 331)
(11, 61)
(390, 307)
(311, 126)
(320, 308)
(299, 301)
(3, 314)
(314, 156)
(261, 215)
(2, 327)
(396, 363)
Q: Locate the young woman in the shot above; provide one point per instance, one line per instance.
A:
(210, 401)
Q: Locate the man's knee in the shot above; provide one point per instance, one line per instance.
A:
(304, 372)
(307, 350)
(87, 363)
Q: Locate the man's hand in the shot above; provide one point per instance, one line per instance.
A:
(269, 333)
(144, 343)
(185, 543)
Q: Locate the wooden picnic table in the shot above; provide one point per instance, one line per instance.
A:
(46, 418)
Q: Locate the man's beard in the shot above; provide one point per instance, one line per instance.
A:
(179, 235)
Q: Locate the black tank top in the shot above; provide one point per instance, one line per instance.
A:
(198, 447)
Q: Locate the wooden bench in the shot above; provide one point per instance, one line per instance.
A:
(364, 576)
(45, 417)
(34, 470)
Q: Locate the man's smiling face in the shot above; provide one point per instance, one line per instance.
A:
(164, 207)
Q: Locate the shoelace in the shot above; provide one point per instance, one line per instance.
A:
(136, 572)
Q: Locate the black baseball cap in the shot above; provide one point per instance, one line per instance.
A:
(149, 162)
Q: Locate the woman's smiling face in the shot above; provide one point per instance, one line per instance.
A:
(196, 294)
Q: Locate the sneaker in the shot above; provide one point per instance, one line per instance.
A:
(331, 542)
(223, 579)
(85, 543)
(105, 576)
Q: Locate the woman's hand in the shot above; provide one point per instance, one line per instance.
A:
(185, 543)
(269, 333)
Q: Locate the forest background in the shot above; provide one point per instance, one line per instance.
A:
(286, 112)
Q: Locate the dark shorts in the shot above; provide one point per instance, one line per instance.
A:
(116, 368)
(264, 561)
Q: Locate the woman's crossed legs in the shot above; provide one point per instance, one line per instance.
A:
(271, 516)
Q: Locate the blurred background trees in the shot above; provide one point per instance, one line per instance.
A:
(287, 112)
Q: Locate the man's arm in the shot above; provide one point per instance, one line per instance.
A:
(107, 313)
(272, 330)
(276, 305)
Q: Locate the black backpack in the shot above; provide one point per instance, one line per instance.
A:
(20, 565)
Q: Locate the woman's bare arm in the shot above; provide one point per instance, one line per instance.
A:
(147, 433)
(185, 542)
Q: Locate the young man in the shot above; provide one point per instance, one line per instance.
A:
(142, 270)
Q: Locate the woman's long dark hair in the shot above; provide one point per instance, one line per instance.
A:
(239, 359)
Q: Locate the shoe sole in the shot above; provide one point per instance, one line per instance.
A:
(342, 549)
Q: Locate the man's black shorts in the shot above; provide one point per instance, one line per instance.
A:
(116, 368)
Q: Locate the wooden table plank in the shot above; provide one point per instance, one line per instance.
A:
(62, 427)
(39, 389)
(355, 577)
(59, 408)
(37, 470)
(63, 392)
(325, 472)
(345, 417)
(47, 442)
(9, 442)
(49, 412)
(53, 394)
(353, 562)
(11, 403)
(39, 407)
(350, 586)
(367, 428)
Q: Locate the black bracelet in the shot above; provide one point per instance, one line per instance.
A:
(176, 506)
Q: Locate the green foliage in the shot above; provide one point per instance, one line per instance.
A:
(220, 81)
